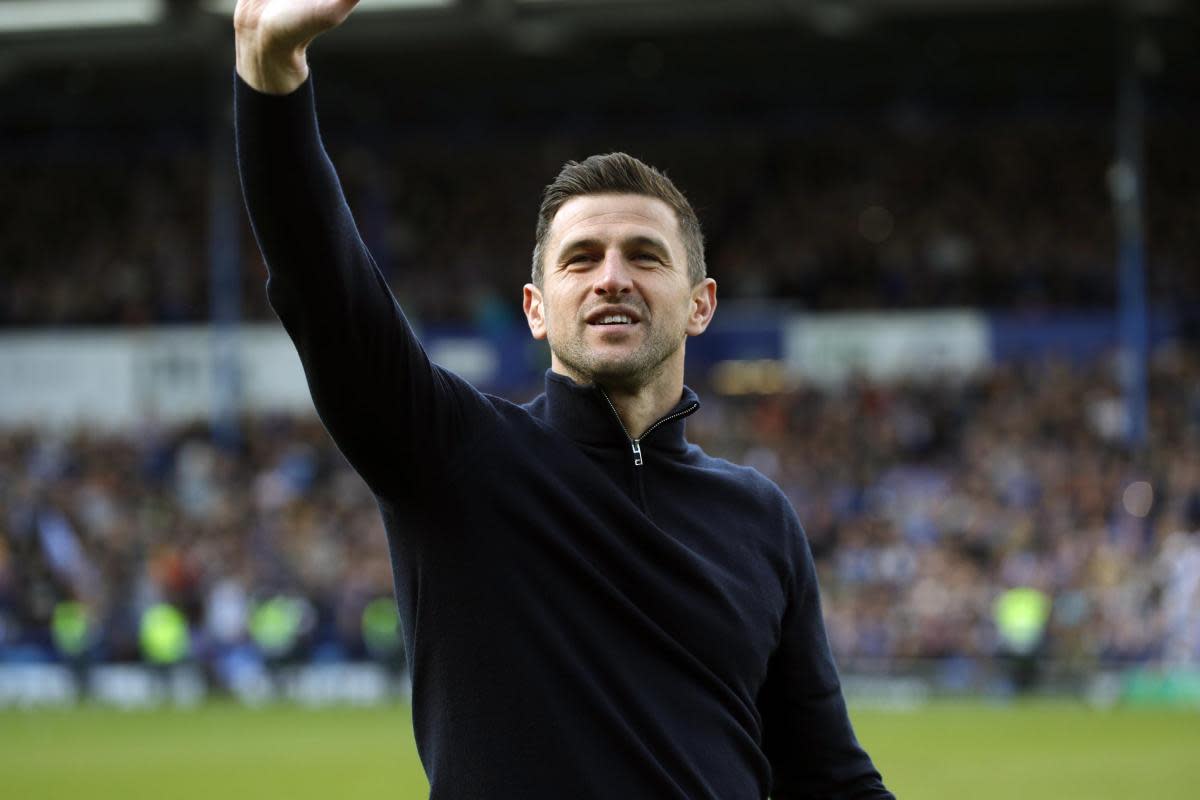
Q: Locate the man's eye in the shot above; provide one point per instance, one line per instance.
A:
(646, 257)
(579, 257)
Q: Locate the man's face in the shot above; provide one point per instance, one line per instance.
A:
(615, 302)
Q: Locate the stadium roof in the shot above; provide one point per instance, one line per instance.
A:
(96, 59)
(101, 25)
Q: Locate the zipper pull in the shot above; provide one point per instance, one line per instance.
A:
(637, 453)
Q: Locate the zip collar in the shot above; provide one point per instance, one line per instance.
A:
(585, 414)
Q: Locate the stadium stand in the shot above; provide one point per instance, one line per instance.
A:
(1012, 214)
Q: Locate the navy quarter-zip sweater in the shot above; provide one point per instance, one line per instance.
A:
(579, 625)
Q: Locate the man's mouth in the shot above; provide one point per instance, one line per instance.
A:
(613, 317)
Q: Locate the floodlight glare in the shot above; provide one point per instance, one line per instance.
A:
(30, 16)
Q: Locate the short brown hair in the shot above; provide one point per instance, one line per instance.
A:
(618, 173)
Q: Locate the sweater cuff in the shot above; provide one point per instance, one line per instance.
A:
(269, 119)
(244, 91)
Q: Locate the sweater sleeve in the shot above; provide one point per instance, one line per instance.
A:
(807, 733)
(400, 420)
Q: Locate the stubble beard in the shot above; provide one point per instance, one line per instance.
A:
(629, 372)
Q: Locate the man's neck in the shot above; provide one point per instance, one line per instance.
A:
(641, 406)
(639, 409)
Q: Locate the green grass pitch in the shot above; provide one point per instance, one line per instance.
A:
(970, 750)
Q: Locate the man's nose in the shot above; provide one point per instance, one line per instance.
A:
(615, 276)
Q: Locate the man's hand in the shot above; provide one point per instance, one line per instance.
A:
(272, 37)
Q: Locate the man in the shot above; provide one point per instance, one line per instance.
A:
(592, 606)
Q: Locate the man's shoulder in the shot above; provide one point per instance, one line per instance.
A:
(751, 503)
(742, 478)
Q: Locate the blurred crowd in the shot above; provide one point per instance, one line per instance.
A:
(923, 504)
(269, 552)
(899, 212)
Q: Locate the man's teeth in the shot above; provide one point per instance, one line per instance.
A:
(614, 319)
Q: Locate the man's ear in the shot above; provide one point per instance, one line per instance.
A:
(535, 312)
(704, 305)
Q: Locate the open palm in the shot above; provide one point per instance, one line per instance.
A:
(272, 36)
(285, 24)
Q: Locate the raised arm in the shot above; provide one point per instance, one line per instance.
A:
(401, 421)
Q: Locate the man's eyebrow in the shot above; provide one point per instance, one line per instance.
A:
(651, 242)
(580, 244)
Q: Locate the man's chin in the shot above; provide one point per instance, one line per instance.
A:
(627, 373)
(612, 372)
(619, 366)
